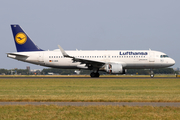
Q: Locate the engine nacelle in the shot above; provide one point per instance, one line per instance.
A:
(114, 68)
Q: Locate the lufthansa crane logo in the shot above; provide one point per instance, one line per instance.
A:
(21, 38)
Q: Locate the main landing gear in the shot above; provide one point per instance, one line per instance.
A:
(94, 74)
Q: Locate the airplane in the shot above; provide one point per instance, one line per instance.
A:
(110, 61)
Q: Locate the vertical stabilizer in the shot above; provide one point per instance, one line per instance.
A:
(22, 41)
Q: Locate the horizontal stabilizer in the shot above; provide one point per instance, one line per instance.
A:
(16, 54)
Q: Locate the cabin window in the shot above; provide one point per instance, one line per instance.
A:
(49, 56)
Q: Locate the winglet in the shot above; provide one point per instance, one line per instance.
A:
(63, 52)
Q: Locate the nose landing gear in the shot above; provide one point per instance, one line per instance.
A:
(151, 74)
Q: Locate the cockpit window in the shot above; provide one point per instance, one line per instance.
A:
(164, 56)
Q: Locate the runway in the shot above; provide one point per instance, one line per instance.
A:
(154, 104)
(89, 78)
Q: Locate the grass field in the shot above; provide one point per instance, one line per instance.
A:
(126, 90)
(53, 112)
(94, 90)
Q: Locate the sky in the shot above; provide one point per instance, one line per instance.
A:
(91, 25)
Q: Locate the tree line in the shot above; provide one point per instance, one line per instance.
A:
(45, 71)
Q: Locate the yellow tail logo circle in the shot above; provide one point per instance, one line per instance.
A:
(21, 38)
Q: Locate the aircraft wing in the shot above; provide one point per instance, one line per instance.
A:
(89, 63)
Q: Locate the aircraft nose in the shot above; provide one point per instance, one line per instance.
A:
(172, 61)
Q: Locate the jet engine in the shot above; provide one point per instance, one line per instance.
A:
(114, 68)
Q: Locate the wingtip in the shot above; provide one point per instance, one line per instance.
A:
(62, 51)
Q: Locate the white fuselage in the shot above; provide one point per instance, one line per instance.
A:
(129, 59)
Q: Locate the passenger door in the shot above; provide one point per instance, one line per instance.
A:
(151, 57)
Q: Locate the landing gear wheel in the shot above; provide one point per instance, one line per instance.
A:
(94, 74)
(97, 74)
(151, 74)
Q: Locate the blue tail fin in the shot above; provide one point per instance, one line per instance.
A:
(22, 41)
